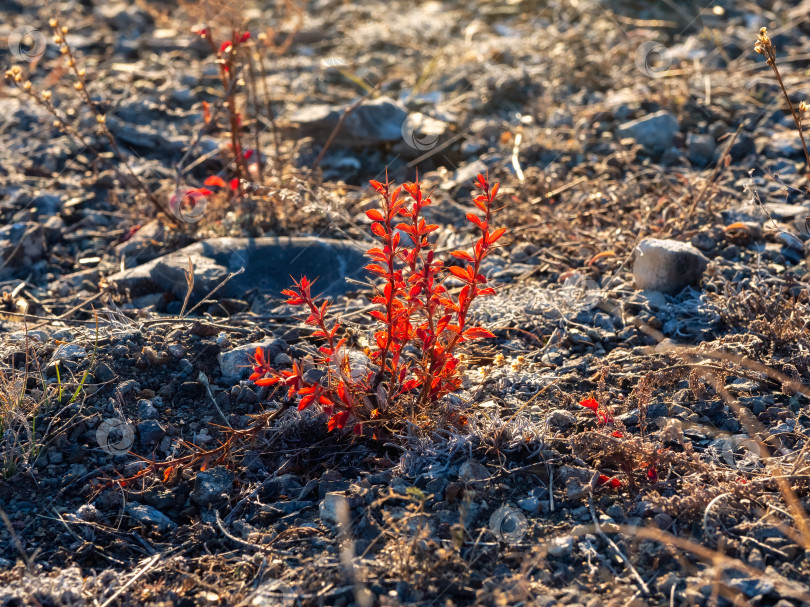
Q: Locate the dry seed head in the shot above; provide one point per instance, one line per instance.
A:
(64, 29)
(18, 77)
(53, 23)
(78, 86)
(46, 95)
(27, 86)
(63, 50)
(803, 107)
(57, 124)
(101, 118)
(57, 39)
(82, 73)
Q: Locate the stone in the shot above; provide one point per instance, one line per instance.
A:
(785, 212)
(334, 507)
(374, 122)
(667, 265)
(561, 418)
(69, 352)
(532, 505)
(148, 515)
(236, 364)
(655, 132)
(561, 546)
(146, 410)
(700, 149)
(150, 432)
(268, 263)
(575, 489)
(212, 486)
(140, 247)
(472, 471)
(21, 244)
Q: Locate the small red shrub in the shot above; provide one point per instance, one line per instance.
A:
(412, 362)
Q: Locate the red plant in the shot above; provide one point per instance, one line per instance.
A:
(610, 480)
(227, 56)
(412, 362)
(603, 416)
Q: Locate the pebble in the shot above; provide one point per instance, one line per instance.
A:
(667, 265)
(472, 471)
(561, 418)
(212, 486)
(334, 507)
(655, 132)
(150, 516)
(560, 547)
(150, 432)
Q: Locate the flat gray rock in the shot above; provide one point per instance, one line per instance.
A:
(270, 265)
(373, 122)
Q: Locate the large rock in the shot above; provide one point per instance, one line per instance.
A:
(655, 132)
(372, 123)
(268, 262)
(667, 265)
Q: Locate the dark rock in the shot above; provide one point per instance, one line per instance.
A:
(150, 432)
(212, 486)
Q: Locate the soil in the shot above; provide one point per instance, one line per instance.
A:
(606, 123)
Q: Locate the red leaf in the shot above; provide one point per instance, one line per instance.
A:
(462, 273)
(612, 481)
(463, 255)
(225, 45)
(234, 184)
(478, 333)
(338, 420)
(590, 403)
(267, 381)
(376, 268)
(375, 215)
(492, 238)
(215, 180)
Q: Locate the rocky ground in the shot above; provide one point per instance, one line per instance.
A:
(655, 194)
